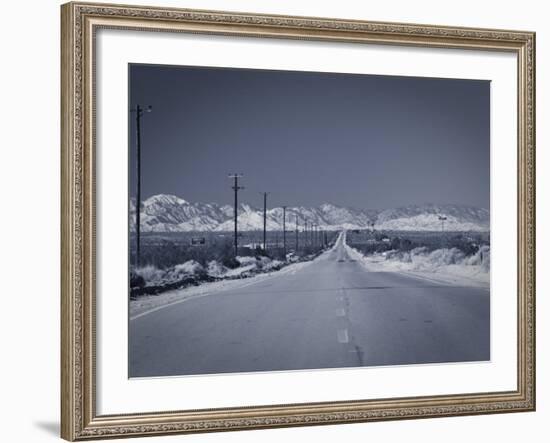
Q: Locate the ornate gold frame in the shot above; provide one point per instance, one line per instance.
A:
(79, 420)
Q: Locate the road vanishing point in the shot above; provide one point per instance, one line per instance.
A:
(330, 313)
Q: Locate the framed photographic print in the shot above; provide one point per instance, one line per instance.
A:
(282, 221)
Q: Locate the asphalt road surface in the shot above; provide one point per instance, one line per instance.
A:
(331, 313)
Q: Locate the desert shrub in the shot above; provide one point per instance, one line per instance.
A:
(136, 281)
(370, 243)
(423, 258)
(215, 269)
(225, 254)
(276, 254)
(481, 258)
(230, 262)
(260, 252)
(149, 273)
(371, 248)
(183, 270)
(465, 245)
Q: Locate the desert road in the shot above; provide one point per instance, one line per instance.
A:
(330, 313)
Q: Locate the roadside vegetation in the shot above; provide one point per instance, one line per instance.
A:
(176, 260)
(458, 254)
(368, 242)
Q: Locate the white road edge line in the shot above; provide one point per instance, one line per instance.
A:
(193, 297)
(439, 282)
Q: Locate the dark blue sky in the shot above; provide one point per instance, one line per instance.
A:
(309, 138)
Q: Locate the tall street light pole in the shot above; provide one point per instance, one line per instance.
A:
(236, 188)
(139, 110)
(442, 218)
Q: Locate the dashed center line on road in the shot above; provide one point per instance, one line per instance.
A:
(343, 336)
(340, 312)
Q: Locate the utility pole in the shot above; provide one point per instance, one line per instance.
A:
(314, 235)
(284, 231)
(265, 216)
(139, 110)
(317, 235)
(236, 188)
(296, 241)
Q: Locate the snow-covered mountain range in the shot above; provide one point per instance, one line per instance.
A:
(168, 213)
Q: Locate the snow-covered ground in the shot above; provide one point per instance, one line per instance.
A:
(152, 276)
(148, 303)
(448, 266)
